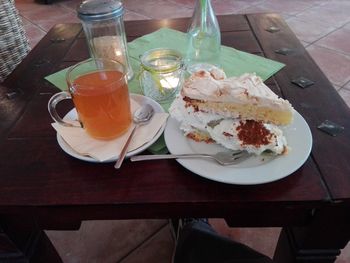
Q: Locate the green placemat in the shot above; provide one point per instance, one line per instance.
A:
(233, 62)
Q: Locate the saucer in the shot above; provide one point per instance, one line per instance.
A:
(72, 115)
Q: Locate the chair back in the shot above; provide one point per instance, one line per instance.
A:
(14, 45)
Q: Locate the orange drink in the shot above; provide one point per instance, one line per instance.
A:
(102, 102)
(100, 94)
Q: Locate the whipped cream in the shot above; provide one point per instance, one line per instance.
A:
(224, 127)
(227, 134)
(225, 131)
(244, 89)
(189, 118)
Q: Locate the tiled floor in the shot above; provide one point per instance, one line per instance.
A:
(323, 26)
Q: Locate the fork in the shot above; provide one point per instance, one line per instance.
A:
(223, 158)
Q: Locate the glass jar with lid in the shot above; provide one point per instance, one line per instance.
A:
(104, 30)
(161, 73)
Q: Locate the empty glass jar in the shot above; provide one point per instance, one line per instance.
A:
(104, 30)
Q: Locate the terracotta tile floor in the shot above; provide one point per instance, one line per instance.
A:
(323, 26)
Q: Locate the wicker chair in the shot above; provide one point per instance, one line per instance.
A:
(14, 45)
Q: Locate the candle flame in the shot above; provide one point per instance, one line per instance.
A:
(169, 82)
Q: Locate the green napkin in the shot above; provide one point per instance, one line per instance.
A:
(58, 79)
(233, 62)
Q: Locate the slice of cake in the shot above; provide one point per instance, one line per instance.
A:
(240, 113)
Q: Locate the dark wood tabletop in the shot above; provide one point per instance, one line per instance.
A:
(52, 190)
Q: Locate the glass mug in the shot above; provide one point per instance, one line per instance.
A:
(99, 90)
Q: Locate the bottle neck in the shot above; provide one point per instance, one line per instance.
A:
(204, 11)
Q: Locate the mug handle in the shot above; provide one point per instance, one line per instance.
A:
(54, 100)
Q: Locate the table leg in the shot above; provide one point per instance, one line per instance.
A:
(22, 241)
(319, 242)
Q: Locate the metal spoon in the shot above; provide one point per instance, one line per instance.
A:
(141, 116)
(223, 158)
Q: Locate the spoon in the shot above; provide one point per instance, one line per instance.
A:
(141, 116)
(223, 158)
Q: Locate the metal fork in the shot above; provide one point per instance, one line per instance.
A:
(223, 158)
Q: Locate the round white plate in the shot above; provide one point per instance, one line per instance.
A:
(72, 115)
(256, 169)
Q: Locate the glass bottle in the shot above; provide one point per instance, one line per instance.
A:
(204, 38)
(104, 30)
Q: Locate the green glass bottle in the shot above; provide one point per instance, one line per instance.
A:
(204, 38)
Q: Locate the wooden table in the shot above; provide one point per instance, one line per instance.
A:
(44, 188)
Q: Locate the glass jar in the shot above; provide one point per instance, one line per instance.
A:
(161, 74)
(204, 38)
(104, 30)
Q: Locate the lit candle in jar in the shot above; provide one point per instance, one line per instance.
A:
(169, 82)
(162, 73)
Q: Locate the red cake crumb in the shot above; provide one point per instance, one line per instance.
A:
(253, 133)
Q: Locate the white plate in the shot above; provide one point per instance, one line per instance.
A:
(72, 115)
(256, 169)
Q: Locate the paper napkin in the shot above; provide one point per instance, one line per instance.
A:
(83, 144)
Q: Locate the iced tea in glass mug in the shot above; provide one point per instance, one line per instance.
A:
(100, 95)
